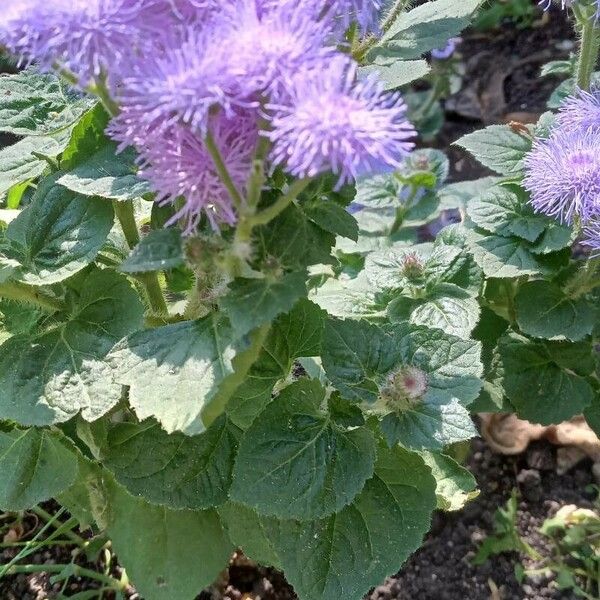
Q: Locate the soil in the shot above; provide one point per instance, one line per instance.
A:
(501, 84)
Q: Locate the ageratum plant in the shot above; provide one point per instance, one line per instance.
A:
(220, 328)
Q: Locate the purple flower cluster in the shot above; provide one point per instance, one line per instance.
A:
(563, 171)
(234, 70)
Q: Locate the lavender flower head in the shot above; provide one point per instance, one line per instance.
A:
(591, 236)
(448, 50)
(332, 122)
(363, 12)
(266, 46)
(85, 36)
(563, 174)
(179, 85)
(177, 165)
(580, 111)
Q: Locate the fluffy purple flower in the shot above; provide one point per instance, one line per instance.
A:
(180, 84)
(342, 13)
(267, 45)
(580, 111)
(85, 36)
(178, 166)
(332, 122)
(363, 12)
(448, 50)
(591, 236)
(563, 174)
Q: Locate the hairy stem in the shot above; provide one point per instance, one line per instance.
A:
(257, 175)
(267, 215)
(30, 295)
(242, 364)
(222, 170)
(124, 212)
(588, 49)
(101, 90)
(246, 224)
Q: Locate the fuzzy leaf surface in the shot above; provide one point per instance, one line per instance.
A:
(295, 463)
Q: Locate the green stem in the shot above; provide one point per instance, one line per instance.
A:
(76, 571)
(393, 14)
(267, 215)
(362, 49)
(30, 295)
(257, 176)
(243, 232)
(100, 90)
(402, 210)
(47, 517)
(588, 50)
(126, 216)
(242, 363)
(222, 170)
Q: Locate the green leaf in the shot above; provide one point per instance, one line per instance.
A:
(246, 530)
(250, 303)
(295, 240)
(498, 147)
(592, 414)
(86, 138)
(432, 424)
(168, 553)
(84, 496)
(294, 335)
(350, 298)
(32, 103)
(545, 311)
(18, 164)
(399, 73)
(107, 174)
(58, 234)
(175, 470)
(555, 237)
(447, 307)
(541, 379)
(295, 463)
(36, 465)
(505, 210)
(355, 354)
(503, 257)
(51, 377)
(173, 372)
(160, 250)
(345, 554)
(455, 486)
(458, 195)
(332, 217)
(424, 28)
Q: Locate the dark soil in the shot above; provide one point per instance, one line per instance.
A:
(442, 568)
(501, 82)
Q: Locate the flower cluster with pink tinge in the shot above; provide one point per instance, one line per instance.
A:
(236, 70)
